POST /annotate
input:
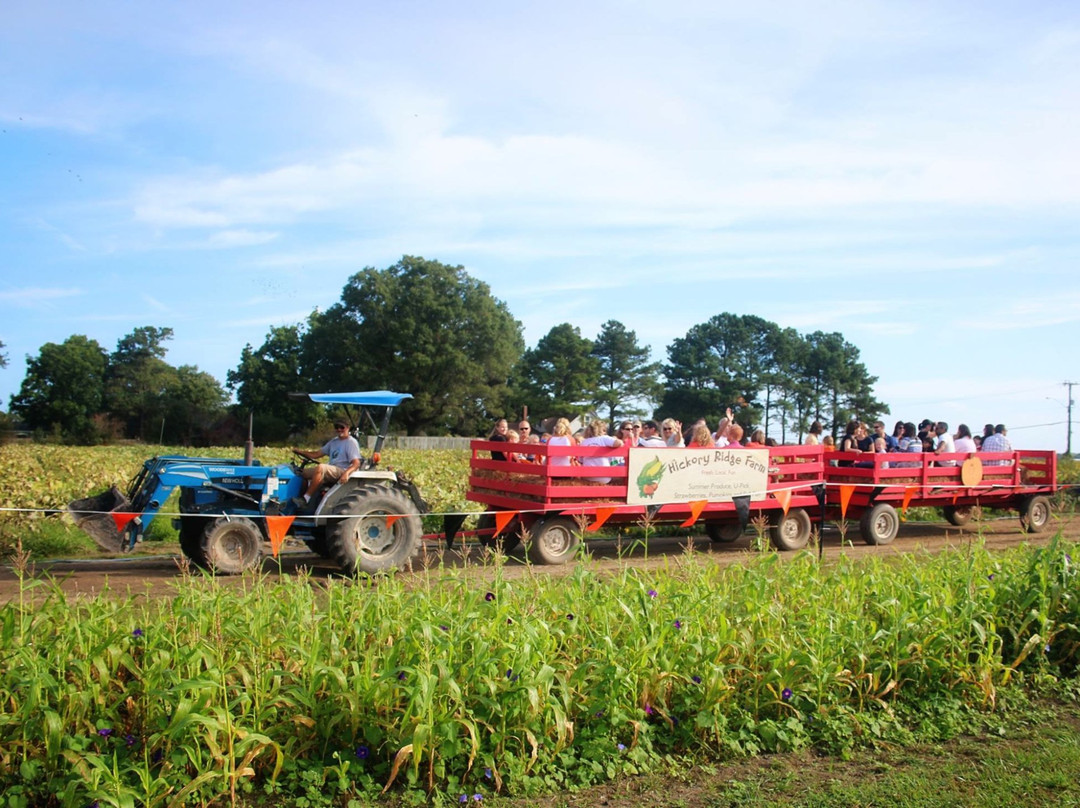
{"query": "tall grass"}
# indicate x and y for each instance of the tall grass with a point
(457, 683)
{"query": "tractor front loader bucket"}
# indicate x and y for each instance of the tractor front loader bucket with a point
(93, 516)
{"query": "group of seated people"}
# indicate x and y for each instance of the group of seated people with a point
(929, 436)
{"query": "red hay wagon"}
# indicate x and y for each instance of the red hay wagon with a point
(559, 495)
(871, 487)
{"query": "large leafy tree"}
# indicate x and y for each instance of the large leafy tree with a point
(768, 375)
(558, 375)
(193, 402)
(137, 381)
(63, 388)
(626, 378)
(419, 327)
(265, 377)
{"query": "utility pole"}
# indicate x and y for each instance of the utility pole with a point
(1068, 439)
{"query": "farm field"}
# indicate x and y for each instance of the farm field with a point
(651, 673)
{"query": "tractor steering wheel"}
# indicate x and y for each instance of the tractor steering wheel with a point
(304, 461)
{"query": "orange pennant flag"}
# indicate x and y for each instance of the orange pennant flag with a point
(909, 492)
(845, 497)
(391, 518)
(602, 515)
(954, 498)
(502, 519)
(122, 520)
(695, 511)
(784, 498)
(277, 527)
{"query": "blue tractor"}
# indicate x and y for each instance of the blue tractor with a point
(224, 503)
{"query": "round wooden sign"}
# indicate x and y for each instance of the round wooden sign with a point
(971, 472)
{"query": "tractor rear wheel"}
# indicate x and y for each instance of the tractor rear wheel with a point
(359, 537)
(231, 545)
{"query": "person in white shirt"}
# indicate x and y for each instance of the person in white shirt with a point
(963, 440)
(945, 444)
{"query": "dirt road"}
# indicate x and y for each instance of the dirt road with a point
(158, 575)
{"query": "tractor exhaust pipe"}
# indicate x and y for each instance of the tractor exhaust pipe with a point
(249, 446)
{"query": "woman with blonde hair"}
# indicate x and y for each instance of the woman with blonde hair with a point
(671, 432)
(700, 438)
(560, 436)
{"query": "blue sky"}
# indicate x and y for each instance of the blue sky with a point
(906, 173)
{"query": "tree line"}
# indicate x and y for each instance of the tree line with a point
(432, 330)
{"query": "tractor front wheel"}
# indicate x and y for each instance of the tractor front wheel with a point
(361, 536)
(231, 545)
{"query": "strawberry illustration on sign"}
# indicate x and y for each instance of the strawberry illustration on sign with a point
(649, 477)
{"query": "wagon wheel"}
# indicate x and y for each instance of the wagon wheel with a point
(554, 540)
(960, 515)
(508, 538)
(880, 524)
(790, 531)
(724, 532)
(1035, 514)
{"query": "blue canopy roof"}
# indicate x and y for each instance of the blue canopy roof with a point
(373, 398)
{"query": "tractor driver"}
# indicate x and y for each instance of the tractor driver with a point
(344, 454)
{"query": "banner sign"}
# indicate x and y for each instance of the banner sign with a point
(688, 475)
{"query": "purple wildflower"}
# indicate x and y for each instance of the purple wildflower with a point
(990, 577)
(362, 752)
(463, 798)
(444, 628)
(488, 774)
(648, 709)
(137, 632)
(570, 616)
(622, 747)
(513, 677)
(478, 797)
(129, 739)
(652, 593)
(678, 624)
(490, 596)
(696, 680)
(402, 676)
(1046, 648)
(104, 732)
(786, 694)
(509, 621)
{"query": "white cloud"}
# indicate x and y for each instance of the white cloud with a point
(36, 297)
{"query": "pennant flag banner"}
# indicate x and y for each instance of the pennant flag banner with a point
(954, 498)
(909, 492)
(602, 515)
(391, 518)
(845, 497)
(784, 498)
(502, 519)
(122, 520)
(277, 527)
(696, 508)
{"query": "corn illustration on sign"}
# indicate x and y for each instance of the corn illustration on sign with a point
(658, 476)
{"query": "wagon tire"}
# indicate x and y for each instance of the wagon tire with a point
(790, 531)
(880, 524)
(724, 532)
(1035, 515)
(359, 538)
(506, 541)
(231, 545)
(960, 515)
(191, 534)
(554, 540)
